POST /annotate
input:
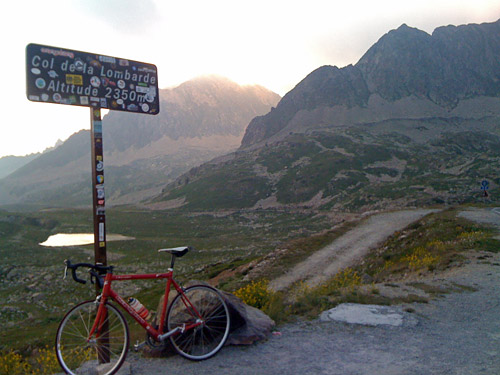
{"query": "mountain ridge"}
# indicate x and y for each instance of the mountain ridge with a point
(405, 126)
(404, 62)
(142, 153)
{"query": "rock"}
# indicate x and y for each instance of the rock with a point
(366, 279)
(248, 324)
(12, 274)
(371, 315)
(37, 297)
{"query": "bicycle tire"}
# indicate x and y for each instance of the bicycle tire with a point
(207, 339)
(76, 355)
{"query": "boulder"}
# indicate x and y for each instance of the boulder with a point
(248, 324)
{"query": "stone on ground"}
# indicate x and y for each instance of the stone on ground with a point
(248, 324)
(372, 315)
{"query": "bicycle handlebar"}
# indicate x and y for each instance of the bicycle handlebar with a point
(97, 267)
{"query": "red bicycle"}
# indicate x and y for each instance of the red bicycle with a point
(94, 335)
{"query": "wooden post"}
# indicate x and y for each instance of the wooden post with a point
(99, 214)
(98, 187)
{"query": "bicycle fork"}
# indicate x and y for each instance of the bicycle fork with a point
(100, 330)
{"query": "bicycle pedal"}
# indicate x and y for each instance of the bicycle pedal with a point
(138, 345)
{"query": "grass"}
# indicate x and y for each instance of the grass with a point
(349, 168)
(430, 289)
(282, 259)
(434, 243)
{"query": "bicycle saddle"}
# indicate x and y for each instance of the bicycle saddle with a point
(177, 251)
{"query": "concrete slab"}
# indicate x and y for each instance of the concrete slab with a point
(372, 315)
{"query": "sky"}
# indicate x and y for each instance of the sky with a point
(273, 43)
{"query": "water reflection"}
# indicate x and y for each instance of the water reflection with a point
(76, 239)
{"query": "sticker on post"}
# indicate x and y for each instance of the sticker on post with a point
(101, 231)
(100, 193)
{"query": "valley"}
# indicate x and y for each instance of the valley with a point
(35, 295)
(231, 249)
(261, 185)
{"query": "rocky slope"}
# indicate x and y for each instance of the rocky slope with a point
(407, 71)
(199, 120)
(415, 121)
(9, 164)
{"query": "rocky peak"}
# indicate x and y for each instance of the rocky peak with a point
(204, 106)
(326, 86)
(452, 64)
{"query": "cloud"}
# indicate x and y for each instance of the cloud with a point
(124, 16)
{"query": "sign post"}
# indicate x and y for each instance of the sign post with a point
(485, 185)
(63, 76)
(97, 165)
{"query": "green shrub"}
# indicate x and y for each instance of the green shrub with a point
(258, 295)
(255, 294)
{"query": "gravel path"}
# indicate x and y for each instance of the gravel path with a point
(457, 334)
(348, 248)
(489, 216)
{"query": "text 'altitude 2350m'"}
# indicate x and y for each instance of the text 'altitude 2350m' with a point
(63, 76)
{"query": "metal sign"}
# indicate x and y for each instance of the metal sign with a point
(63, 76)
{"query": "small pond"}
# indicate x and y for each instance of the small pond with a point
(76, 239)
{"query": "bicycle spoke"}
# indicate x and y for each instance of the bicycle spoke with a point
(204, 340)
(75, 335)
(210, 318)
(217, 331)
(105, 350)
(87, 329)
(186, 339)
(73, 350)
(117, 328)
(193, 340)
(76, 330)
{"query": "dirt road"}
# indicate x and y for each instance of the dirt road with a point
(348, 248)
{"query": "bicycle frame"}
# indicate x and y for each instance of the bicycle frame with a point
(107, 293)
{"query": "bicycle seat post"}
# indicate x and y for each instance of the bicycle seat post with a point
(172, 261)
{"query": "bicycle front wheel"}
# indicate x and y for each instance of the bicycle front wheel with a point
(199, 304)
(79, 355)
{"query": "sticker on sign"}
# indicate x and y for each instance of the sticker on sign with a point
(63, 76)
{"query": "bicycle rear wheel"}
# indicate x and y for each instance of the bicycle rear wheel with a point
(77, 355)
(202, 303)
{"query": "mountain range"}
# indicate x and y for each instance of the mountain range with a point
(9, 164)
(199, 120)
(415, 121)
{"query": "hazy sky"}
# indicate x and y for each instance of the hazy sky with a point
(271, 43)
